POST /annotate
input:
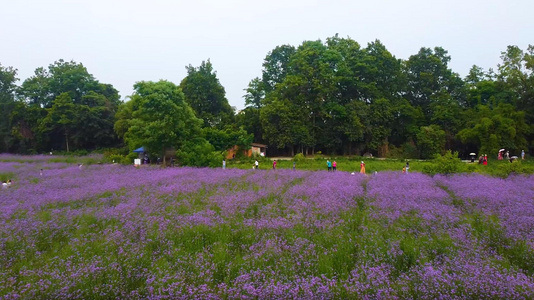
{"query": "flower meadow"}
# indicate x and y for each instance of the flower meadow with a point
(116, 232)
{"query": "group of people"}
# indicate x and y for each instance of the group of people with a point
(332, 166)
(506, 155)
(6, 183)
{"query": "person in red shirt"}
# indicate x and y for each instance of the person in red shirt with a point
(274, 165)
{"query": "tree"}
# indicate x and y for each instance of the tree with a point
(8, 78)
(491, 129)
(161, 118)
(61, 119)
(205, 94)
(429, 79)
(430, 141)
(284, 125)
(276, 66)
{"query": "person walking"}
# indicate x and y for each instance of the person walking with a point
(485, 160)
(329, 165)
(294, 166)
(334, 166)
(362, 167)
(407, 166)
(224, 163)
(507, 155)
(274, 164)
(522, 154)
(256, 164)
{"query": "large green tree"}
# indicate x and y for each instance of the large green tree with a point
(160, 118)
(207, 96)
(8, 79)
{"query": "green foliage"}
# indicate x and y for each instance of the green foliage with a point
(299, 157)
(224, 139)
(430, 141)
(448, 163)
(160, 118)
(206, 96)
(199, 153)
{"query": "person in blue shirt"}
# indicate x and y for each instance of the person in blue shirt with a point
(329, 165)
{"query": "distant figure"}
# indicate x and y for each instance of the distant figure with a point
(500, 155)
(294, 165)
(9, 182)
(274, 164)
(329, 165)
(4, 185)
(50, 152)
(485, 160)
(523, 154)
(41, 172)
(403, 170)
(158, 161)
(256, 164)
(407, 166)
(80, 166)
(480, 159)
(362, 167)
(224, 164)
(507, 155)
(172, 161)
(334, 166)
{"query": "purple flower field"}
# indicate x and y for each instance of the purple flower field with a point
(116, 232)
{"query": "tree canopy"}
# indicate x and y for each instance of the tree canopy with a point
(335, 96)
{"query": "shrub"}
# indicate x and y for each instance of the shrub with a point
(299, 157)
(199, 153)
(448, 163)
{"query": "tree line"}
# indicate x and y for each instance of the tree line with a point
(336, 97)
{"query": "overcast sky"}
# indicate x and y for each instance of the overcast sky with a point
(121, 42)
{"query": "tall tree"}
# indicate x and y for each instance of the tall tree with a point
(61, 119)
(206, 95)
(161, 118)
(276, 66)
(8, 78)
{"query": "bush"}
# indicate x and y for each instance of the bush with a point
(448, 163)
(299, 157)
(199, 153)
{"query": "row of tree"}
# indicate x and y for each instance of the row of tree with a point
(65, 108)
(335, 97)
(338, 97)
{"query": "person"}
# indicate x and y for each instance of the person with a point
(4, 185)
(9, 182)
(334, 166)
(41, 172)
(507, 155)
(485, 160)
(499, 157)
(172, 161)
(80, 166)
(362, 167)
(407, 166)
(224, 163)
(403, 170)
(480, 159)
(294, 166)
(329, 165)
(274, 164)
(522, 154)
(256, 164)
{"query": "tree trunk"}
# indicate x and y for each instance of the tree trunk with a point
(163, 165)
(67, 140)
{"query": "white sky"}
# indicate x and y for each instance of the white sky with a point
(121, 42)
